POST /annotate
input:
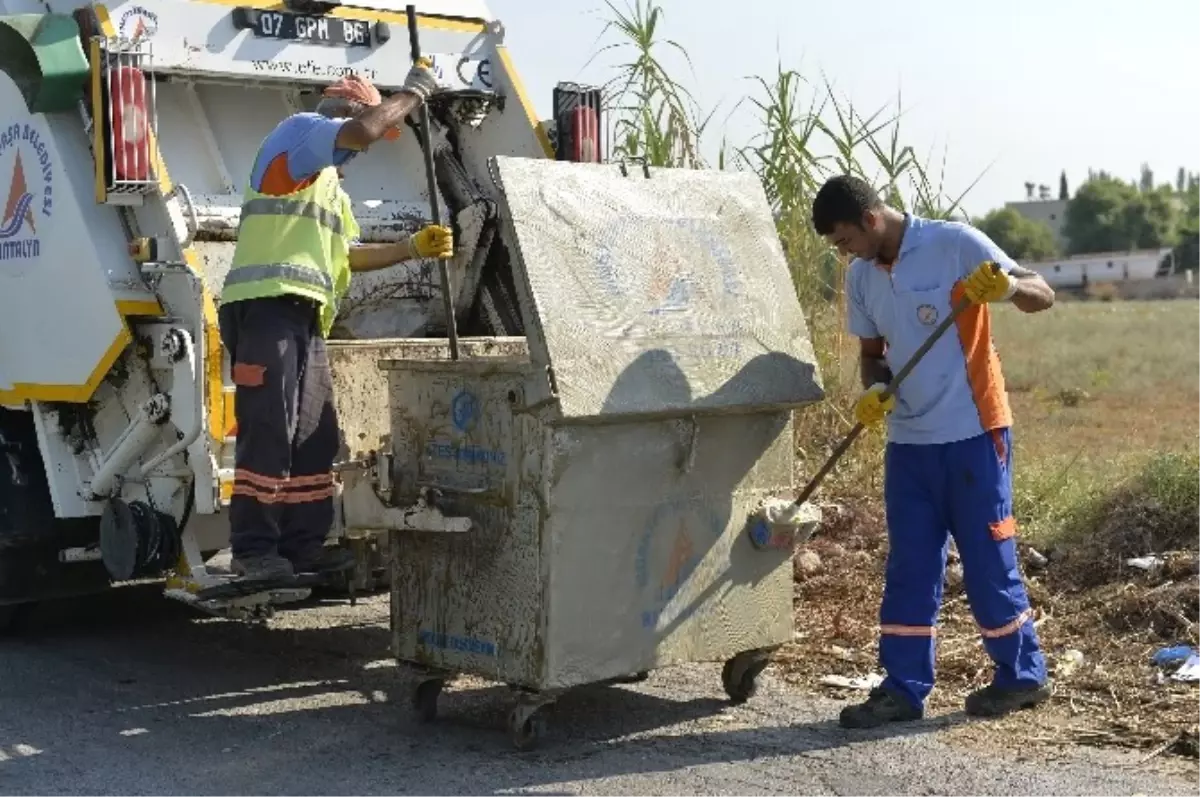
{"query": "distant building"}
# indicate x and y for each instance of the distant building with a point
(1079, 271)
(1051, 212)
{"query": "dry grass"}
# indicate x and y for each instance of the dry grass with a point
(1100, 477)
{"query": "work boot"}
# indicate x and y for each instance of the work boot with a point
(266, 567)
(325, 562)
(996, 701)
(882, 706)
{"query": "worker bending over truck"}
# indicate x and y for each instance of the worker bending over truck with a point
(948, 463)
(296, 249)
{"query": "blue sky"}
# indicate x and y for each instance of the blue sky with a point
(1027, 87)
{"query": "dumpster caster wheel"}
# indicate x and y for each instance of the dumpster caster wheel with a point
(740, 674)
(633, 678)
(425, 700)
(526, 727)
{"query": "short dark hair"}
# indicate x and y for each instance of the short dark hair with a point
(843, 200)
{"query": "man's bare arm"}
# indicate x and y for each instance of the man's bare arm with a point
(370, 257)
(1033, 294)
(872, 367)
(368, 127)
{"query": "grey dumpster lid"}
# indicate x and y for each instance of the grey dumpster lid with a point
(655, 296)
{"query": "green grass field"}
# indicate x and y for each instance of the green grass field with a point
(1099, 391)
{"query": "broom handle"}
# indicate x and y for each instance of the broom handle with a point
(890, 390)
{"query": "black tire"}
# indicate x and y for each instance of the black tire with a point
(30, 535)
(14, 618)
(425, 700)
(527, 735)
(25, 508)
(633, 678)
(740, 674)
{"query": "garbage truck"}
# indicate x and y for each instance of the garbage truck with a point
(550, 448)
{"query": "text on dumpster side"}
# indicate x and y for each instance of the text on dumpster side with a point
(469, 454)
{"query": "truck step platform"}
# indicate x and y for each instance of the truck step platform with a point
(241, 588)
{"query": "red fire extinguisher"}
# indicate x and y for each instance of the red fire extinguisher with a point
(130, 124)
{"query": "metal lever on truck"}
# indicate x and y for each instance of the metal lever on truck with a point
(431, 178)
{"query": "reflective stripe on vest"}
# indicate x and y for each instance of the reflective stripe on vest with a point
(294, 245)
(287, 271)
(278, 206)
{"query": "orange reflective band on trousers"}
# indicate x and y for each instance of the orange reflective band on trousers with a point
(908, 630)
(288, 490)
(1010, 628)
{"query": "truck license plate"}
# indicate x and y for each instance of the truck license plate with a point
(314, 30)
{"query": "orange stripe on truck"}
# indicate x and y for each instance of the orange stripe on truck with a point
(982, 363)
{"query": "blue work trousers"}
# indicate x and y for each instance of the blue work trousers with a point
(962, 489)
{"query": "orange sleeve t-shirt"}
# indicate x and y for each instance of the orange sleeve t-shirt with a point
(296, 151)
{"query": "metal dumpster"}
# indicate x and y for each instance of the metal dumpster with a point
(609, 474)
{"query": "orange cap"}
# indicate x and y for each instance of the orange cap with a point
(357, 88)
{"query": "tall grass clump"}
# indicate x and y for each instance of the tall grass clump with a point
(1153, 511)
(807, 132)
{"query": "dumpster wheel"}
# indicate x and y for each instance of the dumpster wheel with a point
(740, 674)
(425, 699)
(527, 726)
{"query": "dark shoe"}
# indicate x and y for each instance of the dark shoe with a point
(329, 560)
(881, 707)
(996, 701)
(268, 567)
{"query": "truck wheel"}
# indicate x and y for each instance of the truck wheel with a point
(30, 535)
(14, 618)
(25, 508)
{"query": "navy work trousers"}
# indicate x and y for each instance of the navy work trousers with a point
(287, 428)
(961, 489)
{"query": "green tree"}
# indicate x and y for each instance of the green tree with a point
(1147, 179)
(1187, 253)
(1181, 180)
(1022, 238)
(1063, 191)
(1107, 214)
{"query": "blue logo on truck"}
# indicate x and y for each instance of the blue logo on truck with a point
(23, 207)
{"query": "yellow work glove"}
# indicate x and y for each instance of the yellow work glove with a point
(421, 79)
(988, 284)
(433, 241)
(871, 408)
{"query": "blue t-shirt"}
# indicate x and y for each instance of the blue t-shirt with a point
(957, 391)
(296, 151)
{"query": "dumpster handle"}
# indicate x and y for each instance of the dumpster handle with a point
(457, 490)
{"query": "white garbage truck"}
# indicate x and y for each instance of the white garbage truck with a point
(561, 465)
(128, 134)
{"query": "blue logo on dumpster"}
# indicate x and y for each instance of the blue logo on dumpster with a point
(464, 411)
(676, 540)
(666, 293)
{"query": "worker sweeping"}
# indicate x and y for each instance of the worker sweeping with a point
(295, 252)
(948, 462)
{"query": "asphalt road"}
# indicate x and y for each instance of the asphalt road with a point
(133, 694)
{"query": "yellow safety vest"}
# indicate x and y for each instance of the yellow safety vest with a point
(297, 244)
